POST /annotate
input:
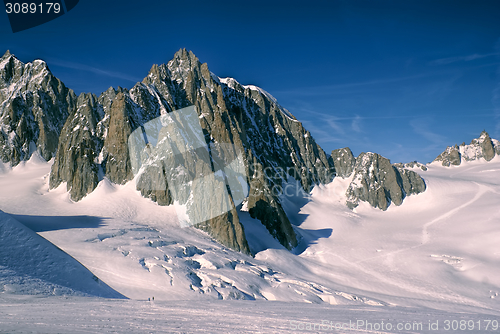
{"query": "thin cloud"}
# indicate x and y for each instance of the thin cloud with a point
(445, 61)
(334, 125)
(356, 124)
(328, 89)
(421, 126)
(434, 114)
(357, 117)
(91, 69)
(321, 135)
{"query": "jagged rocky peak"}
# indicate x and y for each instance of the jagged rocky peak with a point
(92, 141)
(273, 145)
(450, 156)
(182, 63)
(79, 147)
(94, 135)
(480, 148)
(380, 183)
(250, 120)
(115, 153)
(11, 69)
(344, 162)
(33, 108)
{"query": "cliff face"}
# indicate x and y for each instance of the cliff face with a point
(343, 160)
(76, 155)
(380, 183)
(273, 145)
(375, 180)
(33, 107)
(79, 159)
(188, 138)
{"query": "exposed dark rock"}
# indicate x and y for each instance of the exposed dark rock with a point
(33, 108)
(77, 153)
(344, 162)
(450, 156)
(411, 182)
(374, 182)
(115, 153)
(82, 139)
(152, 184)
(264, 206)
(228, 230)
(486, 146)
(379, 183)
(480, 148)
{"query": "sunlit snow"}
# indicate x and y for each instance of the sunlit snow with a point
(435, 257)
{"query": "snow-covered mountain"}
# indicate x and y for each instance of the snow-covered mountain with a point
(96, 134)
(435, 255)
(138, 246)
(33, 107)
(332, 238)
(93, 143)
(480, 148)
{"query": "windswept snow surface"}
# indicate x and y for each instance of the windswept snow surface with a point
(30, 265)
(438, 249)
(436, 257)
(21, 314)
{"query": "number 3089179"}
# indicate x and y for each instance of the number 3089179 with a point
(32, 8)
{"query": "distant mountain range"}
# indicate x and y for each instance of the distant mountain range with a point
(87, 136)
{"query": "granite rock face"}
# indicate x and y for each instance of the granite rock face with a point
(79, 158)
(480, 148)
(450, 156)
(487, 148)
(89, 137)
(273, 144)
(343, 160)
(379, 183)
(33, 108)
(228, 230)
(411, 182)
(116, 161)
(76, 155)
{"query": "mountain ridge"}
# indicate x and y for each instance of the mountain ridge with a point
(483, 147)
(34, 105)
(92, 144)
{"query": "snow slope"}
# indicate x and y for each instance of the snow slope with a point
(439, 249)
(437, 255)
(31, 265)
(138, 248)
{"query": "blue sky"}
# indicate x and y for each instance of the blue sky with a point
(400, 78)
